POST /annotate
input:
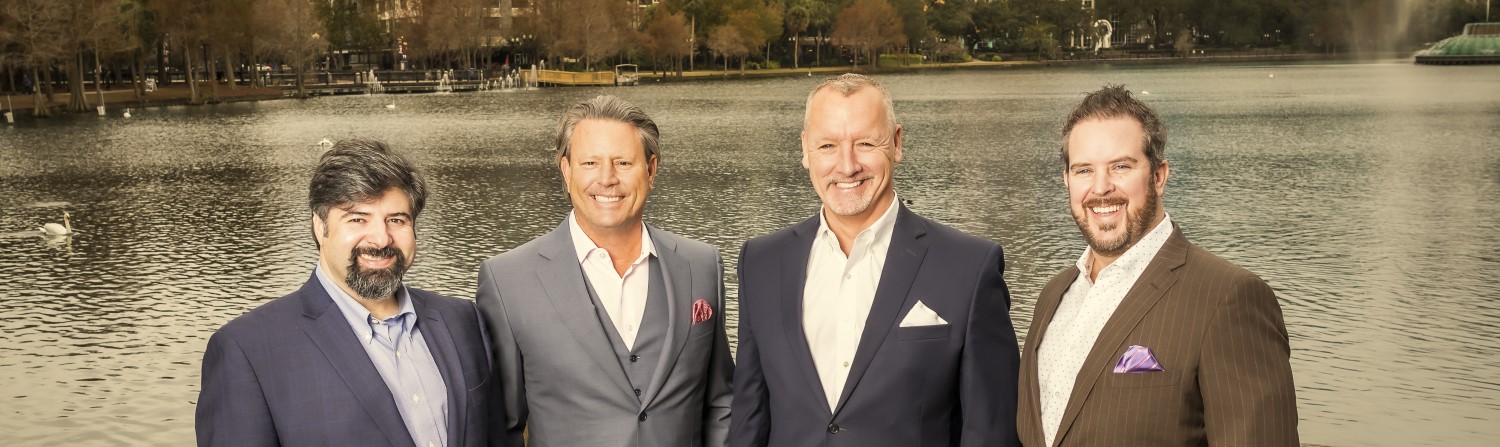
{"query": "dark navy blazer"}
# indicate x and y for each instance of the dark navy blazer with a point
(952, 385)
(292, 372)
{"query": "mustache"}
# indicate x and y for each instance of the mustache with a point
(382, 252)
(1104, 201)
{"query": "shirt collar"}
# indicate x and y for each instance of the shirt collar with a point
(1144, 249)
(360, 318)
(583, 245)
(880, 229)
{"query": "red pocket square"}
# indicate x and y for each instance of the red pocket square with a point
(702, 311)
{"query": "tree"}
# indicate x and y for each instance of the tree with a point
(667, 35)
(727, 42)
(757, 22)
(295, 34)
(1041, 36)
(184, 22)
(867, 26)
(35, 28)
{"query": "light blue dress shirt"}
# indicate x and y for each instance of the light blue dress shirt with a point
(396, 347)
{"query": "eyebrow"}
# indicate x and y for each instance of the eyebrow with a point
(1129, 158)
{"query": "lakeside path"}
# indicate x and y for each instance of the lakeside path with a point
(177, 94)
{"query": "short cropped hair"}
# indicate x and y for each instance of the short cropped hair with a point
(607, 107)
(1114, 101)
(847, 84)
(359, 170)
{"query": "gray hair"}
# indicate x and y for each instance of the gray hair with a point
(608, 107)
(358, 170)
(1114, 101)
(847, 84)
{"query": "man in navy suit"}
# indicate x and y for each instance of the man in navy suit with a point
(354, 357)
(868, 325)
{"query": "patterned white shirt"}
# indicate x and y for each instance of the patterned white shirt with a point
(1085, 307)
(623, 296)
(838, 294)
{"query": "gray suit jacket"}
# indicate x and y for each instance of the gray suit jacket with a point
(1217, 330)
(562, 380)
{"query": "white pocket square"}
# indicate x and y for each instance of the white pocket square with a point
(920, 315)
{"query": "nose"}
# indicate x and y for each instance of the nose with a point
(1101, 185)
(845, 163)
(379, 236)
(610, 175)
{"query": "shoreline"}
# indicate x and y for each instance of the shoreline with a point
(177, 94)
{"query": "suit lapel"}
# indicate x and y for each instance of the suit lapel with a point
(440, 342)
(793, 278)
(563, 279)
(1046, 306)
(330, 331)
(676, 272)
(1159, 277)
(902, 260)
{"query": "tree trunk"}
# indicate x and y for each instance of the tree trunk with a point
(189, 76)
(229, 67)
(818, 49)
(98, 82)
(77, 101)
(39, 104)
(297, 70)
(137, 67)
(796, 49)
(48, 85)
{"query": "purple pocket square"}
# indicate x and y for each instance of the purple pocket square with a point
(1137, 359)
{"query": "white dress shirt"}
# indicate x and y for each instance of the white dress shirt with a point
(1085, 307)
(623, 296)
(838, 294)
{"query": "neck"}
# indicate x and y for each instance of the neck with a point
(846, 228)
(1098, 262)
(623, 243)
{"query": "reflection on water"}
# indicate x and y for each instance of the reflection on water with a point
(1363, 193)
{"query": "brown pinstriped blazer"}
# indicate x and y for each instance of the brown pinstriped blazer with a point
(1217, 330)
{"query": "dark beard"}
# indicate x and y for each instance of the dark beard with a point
(376, 285)
(1135, 225)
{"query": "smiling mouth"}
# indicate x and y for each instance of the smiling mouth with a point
(1105, 209)
(848, 185)
(607, 199)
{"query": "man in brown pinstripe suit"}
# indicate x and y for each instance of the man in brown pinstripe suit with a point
(1148, 340)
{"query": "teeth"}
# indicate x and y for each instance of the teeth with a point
(1106, 209)
(607, 199)
(847, 185)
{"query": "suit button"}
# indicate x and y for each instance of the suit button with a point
(638, 392)
(833, 429)
(643, 417)
(634, 357)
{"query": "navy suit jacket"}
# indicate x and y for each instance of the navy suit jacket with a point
(947, 385)
(292, 372)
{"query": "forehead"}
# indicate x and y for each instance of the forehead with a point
(593, 137)
(1106, 139)
(831, 111)
(392, 201)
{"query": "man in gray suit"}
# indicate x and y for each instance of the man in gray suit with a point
(610, 332)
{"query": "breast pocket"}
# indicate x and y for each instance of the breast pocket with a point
(1155, 379)
(923, 332)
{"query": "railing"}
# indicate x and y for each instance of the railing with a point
(576, 78)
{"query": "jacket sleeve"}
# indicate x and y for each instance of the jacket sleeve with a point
(1246, 374)
(750, 421)
(718, 393)
(990, 362)
(232, 409)
(511, 388)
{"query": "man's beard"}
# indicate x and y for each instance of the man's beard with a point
(1135, 224)
(376, 285)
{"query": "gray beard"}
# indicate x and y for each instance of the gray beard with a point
(376, 285)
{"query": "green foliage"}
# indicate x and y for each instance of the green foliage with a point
(897, 60)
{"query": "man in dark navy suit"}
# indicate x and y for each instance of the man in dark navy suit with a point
(868, 325)
(354, 357)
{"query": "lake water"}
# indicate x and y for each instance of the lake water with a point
(1366, 194)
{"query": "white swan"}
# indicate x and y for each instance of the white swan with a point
(392, 105)
(53, 229)
(127, 113)
(325, 143)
